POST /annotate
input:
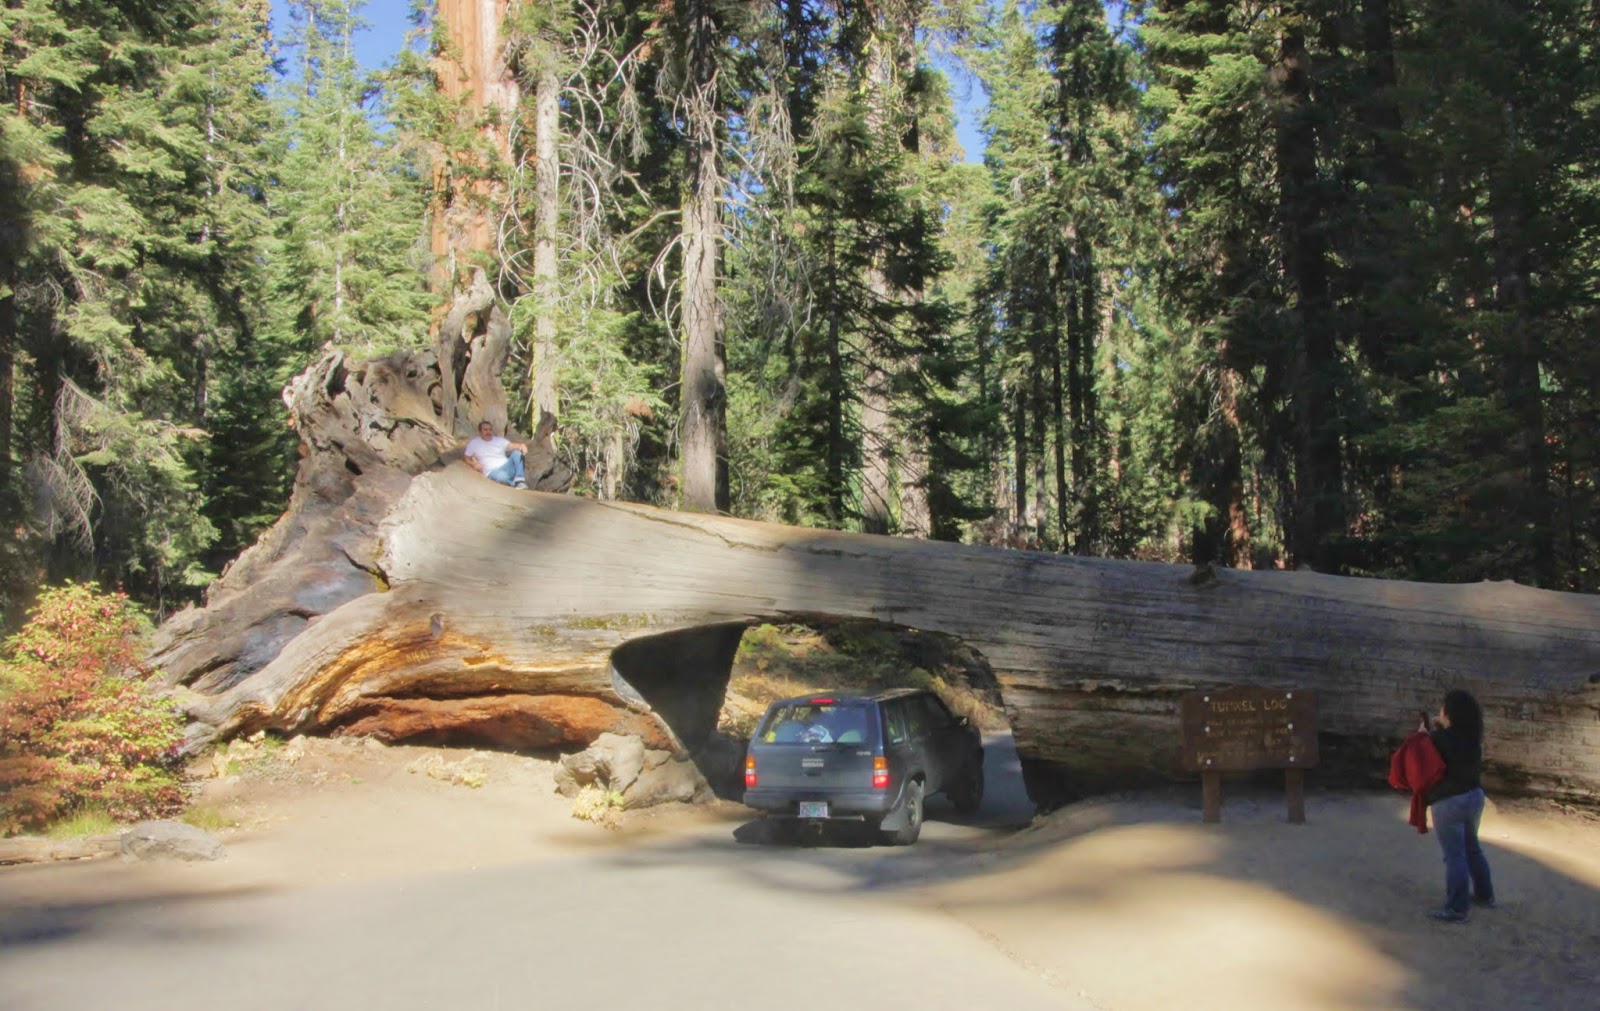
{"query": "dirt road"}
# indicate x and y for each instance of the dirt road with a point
(688, 912)
(364, 877)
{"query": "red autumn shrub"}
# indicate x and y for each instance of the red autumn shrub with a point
(79, 725)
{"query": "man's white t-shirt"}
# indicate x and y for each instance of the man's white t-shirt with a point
(490, 452)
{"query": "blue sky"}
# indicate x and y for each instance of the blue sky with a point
(387, 31)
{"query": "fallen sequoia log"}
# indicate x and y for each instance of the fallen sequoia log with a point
(39, 849)
(408, 598)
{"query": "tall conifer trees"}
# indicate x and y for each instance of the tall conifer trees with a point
(1301, 284)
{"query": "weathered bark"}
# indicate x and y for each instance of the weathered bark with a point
(413, 600)
(704, 437)
(876, 448)
(916, 513)
(462, 377)
(877, 434)
(911, 460)
(476, 74)
(473, 341)
(365, 430)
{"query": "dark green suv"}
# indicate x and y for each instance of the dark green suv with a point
(873, 759)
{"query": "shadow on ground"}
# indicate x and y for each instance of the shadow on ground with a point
(1135, 902)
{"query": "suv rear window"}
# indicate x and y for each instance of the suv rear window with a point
(811, 722)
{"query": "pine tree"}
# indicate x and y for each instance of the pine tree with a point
(1066, 172)
(349, 264)
(112, 288)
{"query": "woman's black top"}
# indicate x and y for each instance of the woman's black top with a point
(1463, 764)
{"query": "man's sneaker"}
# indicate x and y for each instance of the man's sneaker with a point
(1447, 915)
(1486, 903)
(519, 484)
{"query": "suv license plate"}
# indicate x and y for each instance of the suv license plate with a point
(813, 809)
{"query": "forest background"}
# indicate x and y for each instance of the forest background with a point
(1308, 283)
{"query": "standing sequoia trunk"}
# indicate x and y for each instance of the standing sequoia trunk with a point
(878, 438)
(404, 598)
(704, 453)
(473, 71)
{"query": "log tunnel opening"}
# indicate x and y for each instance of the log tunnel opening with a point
(711, 684)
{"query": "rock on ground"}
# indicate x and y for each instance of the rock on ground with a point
(623, 765)
(169, 840)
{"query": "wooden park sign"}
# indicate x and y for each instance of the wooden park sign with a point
(1243, 729)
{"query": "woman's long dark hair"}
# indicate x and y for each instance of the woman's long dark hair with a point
(1466, 716)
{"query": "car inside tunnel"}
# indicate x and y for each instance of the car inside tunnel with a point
(710, 685)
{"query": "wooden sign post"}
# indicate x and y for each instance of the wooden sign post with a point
(1242, 729)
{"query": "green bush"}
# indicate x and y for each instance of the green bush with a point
(79, 726)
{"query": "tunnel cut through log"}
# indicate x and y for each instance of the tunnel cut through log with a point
(685, 679)
(681, 677)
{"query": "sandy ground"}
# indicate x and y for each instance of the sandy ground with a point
(1122, 903)
(1143, 907)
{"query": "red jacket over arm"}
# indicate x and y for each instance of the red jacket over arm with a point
(1416, 766)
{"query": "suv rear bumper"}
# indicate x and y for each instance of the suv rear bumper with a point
(783, 802)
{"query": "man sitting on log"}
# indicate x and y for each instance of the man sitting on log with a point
(497, 458)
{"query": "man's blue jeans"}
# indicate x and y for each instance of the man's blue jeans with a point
(1455, 822)
(512, 471)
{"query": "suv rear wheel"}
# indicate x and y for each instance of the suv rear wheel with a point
(911, 806)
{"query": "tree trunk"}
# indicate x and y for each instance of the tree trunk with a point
(404, 596)
(877, 431)
(911, 463)
(547, 193)
(475, 73)
(877, 439)
(1086, 441)
(1522, 354)
(1040, 518)
(1318, 515)
(916, 515)
(1019, 453)
(704, 453)
(1064, 334)
(838, 444)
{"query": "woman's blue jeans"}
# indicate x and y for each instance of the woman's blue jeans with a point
(1455, 822)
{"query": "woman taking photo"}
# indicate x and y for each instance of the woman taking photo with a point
(1457, 803)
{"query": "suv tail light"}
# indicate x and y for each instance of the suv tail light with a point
(749, 770)
(880, 773)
